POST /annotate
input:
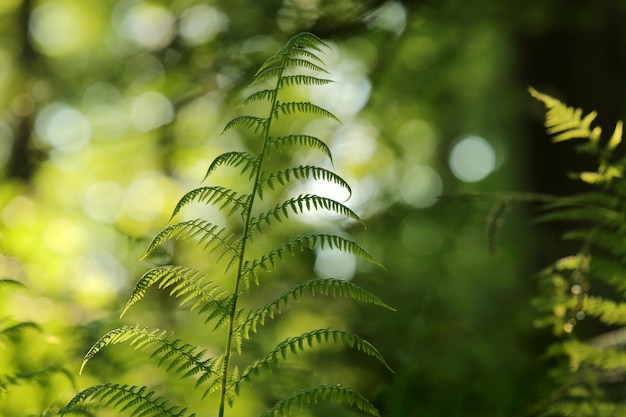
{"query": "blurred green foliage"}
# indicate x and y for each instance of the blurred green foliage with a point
(110, 110)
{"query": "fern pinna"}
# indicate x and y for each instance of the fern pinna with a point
(590, 284)
(235, 249)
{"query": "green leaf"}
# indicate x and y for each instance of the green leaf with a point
(298, 107)
(214, 195)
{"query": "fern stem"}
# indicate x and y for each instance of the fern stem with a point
(245, 234)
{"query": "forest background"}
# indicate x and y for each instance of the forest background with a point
(111, 110)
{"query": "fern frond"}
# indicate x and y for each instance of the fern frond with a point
(593, 215)
(137, 400)
(211, 235)
(262, 95)
(296, 46)
(298, 107)
(300, 140)
(303, 63)
(308, 241)
(607, 311)
(300, 79)
(179, 358)
(249, 161)
(581, 353)
(15, 329)
(253, 123)
(266, 74)
(214, 195)
(7, 282)
(324, 286)
(335, 394)
(185, 282)
(566, 122)
(300, 204)
(305, 172)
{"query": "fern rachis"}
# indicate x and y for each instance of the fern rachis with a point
(245, 262)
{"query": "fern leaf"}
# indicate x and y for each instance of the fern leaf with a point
(209, 234)
(324, 286)
(593, 215)
(267, 74)
(566, 122)
(307, 341)
(607, 311)
(303, 63)
(297, 107)
(235, 159)
(300, 140)
(296, 46)
(7, 282)
(300, 204)
(185, 359)
(305, 172)
(261, 95)
(137, 400)
(215, 195)
(329, 393)
(14, 330)
(185, 282)
(253, 123)
(300, 79)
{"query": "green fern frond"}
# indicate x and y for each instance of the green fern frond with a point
(300, 204)
(214, 195)
(299, 107)
(253, 123)
(335, 394)
(296, 46)
(307, 341)
(178, 357)
(609, 240)
(300, 79)
(15, 329)
(209, 234)
(185, 282)
(566, 122)
(303, 63)
(7, 282)
(138, 401)
(593, 215)
(267, 74)
(300, 140)
(249, 161)
(261, 95)
(308, 241)
(584, 354)
(607, 311)
(325, 286)
(305, 172)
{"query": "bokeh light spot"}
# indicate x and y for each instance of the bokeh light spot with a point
(334, 263)
(55, 28)
(151, 110)
(148, 26)
(201, 23)
(420, 186)
(62, 127)
(104, 201)
(472, 159)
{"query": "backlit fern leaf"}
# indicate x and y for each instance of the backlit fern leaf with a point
(212, 236)
(215, 195)
(176, 356)
(306, 341)
(324, 286)
(137, 400)
(261, 95)
(335, 394)
(303, 63)
(15, 329)
(301, 79)
(300, 204)
(183, 282)
(300, 140)
(235, 159)
(305, 172)
(255, 124)
(299, 107)
(567, 122)
(308, 241)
